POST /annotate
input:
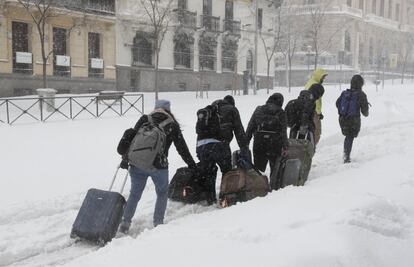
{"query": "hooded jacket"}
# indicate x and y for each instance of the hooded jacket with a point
(317, 76)
(272, 107)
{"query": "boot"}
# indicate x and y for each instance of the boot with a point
(124, 227)
(347, 158)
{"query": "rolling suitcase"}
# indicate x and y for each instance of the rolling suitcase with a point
(100, 214)
(294, 169)
(239, 185)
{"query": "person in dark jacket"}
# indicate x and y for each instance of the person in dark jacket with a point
(303, 107)
(159, 176)
(213, 147)
(268, 125)
(351, 124)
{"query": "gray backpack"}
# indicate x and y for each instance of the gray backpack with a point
(148, 144)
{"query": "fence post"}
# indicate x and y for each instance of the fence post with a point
(120, 104)
(70, 108)
(8, 114)
(97, 106)
(41, 108)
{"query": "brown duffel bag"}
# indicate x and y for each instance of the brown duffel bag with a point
(240, 185)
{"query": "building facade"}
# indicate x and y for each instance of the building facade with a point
(208, 44)
(356, 36)
(81, 40)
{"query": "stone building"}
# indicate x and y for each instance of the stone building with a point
(80, 38)
(356, 36)
(209, 44)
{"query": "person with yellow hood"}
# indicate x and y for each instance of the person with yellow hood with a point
(318, 77)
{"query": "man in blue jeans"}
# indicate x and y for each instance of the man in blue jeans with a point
(159, 175)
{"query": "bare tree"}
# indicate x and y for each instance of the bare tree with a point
(291, 34)
(41, 12)
(270, 44)
(320, 32)
(158, 14)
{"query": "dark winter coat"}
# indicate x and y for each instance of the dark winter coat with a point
(230, 122)
(259, 117)
(351, 126)
(173, 132)
(303, 109)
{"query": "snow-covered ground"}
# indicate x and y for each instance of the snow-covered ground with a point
(360, 214)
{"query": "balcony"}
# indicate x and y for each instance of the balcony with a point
(351, 10)
(186, 18)
(232, 27)
(105, 7)
(210, 23)
(383, 22)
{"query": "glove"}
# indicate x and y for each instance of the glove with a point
(285, 152)
(321, 116)
(124, 164)
(303, 130)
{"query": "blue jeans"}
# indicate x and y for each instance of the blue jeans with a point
(138, 181)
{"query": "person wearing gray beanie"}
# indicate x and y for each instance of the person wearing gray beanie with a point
(158, 171)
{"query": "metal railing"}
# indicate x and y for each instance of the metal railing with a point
(42, 109)
(210, 23)
(232, 26)
(186, 18)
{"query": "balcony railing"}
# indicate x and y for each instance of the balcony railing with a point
(210, 23)
(351, 10)
(106, 6)
(183, 60)
(384, 22)
(186, 18)
(232, 26)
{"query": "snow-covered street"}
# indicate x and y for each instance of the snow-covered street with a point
(359, 214)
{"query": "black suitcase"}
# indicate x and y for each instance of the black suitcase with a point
(294, 169)
(100, 215)
(186, 187)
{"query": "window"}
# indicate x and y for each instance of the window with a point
(397, 12)
(208, 56)
(382, 8)
(229, 10)
(259, 18)
(20, 43)
(347, 42)
(229, 55)
(101, 5)
(249, 61)
(390, 9)
(142, 50)
(371, 51)
(182, 4)
(374, 7)
(94, 53)
(60, 65)
(207, 7)
(183, 54)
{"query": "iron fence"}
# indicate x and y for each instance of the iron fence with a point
(42, 109)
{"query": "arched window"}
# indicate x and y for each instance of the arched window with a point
(229, 55)
(183, 54)
(347, 42)
(371, 51)
(208, 56)
(142, 50)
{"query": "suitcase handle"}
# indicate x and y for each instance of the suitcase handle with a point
(114, 178)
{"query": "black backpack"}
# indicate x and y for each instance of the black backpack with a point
(292, 113)
(208, 121)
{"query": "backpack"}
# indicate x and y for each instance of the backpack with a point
(348, 104)
(147, 148)
(291, 113)
(269, 122)
(208, 121)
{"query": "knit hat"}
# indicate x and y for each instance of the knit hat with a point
(229, 99)
(164, 104)
(357, 82)
(276, 98)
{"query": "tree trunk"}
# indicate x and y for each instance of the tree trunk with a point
(268, 77)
